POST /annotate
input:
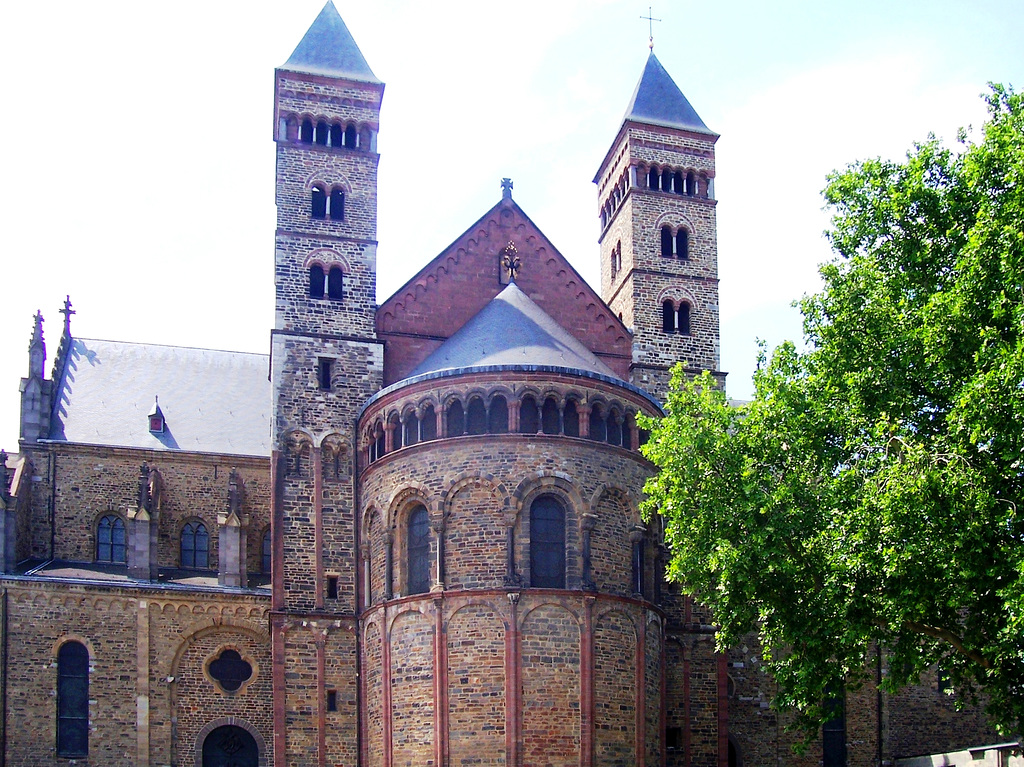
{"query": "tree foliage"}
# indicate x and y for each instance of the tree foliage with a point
(871, 493)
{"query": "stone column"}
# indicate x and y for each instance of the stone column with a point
(512, 578)
(636, 535)
(438, 528)
(584, 412)
(589, 522)
(231, 570)
(143, 526)
(389, 562)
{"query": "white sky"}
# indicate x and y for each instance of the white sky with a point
(139, 168)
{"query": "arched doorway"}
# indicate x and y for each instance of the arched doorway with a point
(230, 746)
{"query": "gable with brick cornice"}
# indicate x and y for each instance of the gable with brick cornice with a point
(466, 276)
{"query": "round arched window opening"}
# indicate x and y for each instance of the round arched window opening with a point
(230, 745)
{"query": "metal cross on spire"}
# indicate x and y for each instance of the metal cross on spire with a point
(67, 311)
(650, 26)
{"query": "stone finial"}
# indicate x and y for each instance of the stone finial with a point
(67, 311)
(506, 189)
(235, 490)
(37, 349)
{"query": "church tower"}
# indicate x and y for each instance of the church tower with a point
(326, 362)
(659, 252)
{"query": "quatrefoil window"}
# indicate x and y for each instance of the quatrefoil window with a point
(230, 670)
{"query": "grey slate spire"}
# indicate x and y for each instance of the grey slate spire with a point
(657, 100)
(328, 48)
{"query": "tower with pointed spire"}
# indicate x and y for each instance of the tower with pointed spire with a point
(659, 252)
(325, 362)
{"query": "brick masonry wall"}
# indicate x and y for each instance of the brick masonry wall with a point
(412, 690)
(615, 682)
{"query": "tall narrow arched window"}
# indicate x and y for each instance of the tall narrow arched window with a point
(598, 425)
(396, 432)
(683, 325)
(668, 317)
(110, 540)
(306, 131)
(476, 417)
(410, 429)
(418, 551)
(337, 205)
(335, 282)
(195, 546)
(683, 243)
(428, 424)
(350, 136)
(614, 428)
(337, 133)
(72, 700)
(321, 133)
(666, 180)
(529, 416)
(318, 208)
(677, 182)
(316, 281)
(666, 242)
(265, 553)
(497, 416)
(691, 183)
(547, 543)
(549, 417)
(456, 419)
(571, 419)
(653, 178)
(833, 731)
(379, 443)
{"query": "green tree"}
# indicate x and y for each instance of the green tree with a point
(870, 495)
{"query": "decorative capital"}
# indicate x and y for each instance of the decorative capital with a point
(589, 522)
(513, 597)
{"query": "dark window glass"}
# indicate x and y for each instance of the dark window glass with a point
(321, 133)
(337, 205)
(683, 244)
(627, 435)
(306, 134)
(668, 317)
(571, 419)
(456, 420)
(666, 180)
(378, 445)
(195, 546)
(411, 429)
(230, 670)
(476, 417)
(691, 184)
(677, 182)
(666, 242)
(332, 587)
(265, 553)
(230, 746)
(316, 281)
(110, 540)
(323, 373)
(419, 551)
(549, 417)
(598, 427)
(396, 433)
(350, 137)
(653, 179)
(614, 430)
(529, 417)
(547, 543)
(335, 282)
(332, 700)
(497, 416)
(319, 203)
(674, 737)
(428, 424)
(336, 135)
(684, 319)
(73, 700)
(833, 732)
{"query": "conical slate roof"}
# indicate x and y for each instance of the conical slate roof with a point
(512, 330)
(328, 48)
(657, 100)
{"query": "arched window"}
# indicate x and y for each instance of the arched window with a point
(418, 551)
(683, 325)
(653, 178)
(230, 744)
(336, 135)
(379, 443)
(265, 553)
(529, 416)
(666, 242)
(683, 243)
(571, 419)
(549, 417)
(291, 128)
(318, 208)
(335, 282)
(72, 700)
(668, 317)
(497, 416)
(547, 543)
(677, 182)
(316, 281)
(456, 419)
(598, 425)
(476, 417)
(321, 133)
(195, 546)
(110, 540)
(627, 434)
(833, 732)
(411, 429)
(691, 183)
(337, 205)
(396, 432)
(666, 180)
(306, 133)
(350, 136)
(428, 424)
(614, 428)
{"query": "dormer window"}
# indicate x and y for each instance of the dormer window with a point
(157, 423)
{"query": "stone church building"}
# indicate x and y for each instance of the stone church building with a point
(410, 535)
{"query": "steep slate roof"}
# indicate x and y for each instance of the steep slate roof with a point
(512, 330)
(657, 100)
(213, 401)
(328, 48)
